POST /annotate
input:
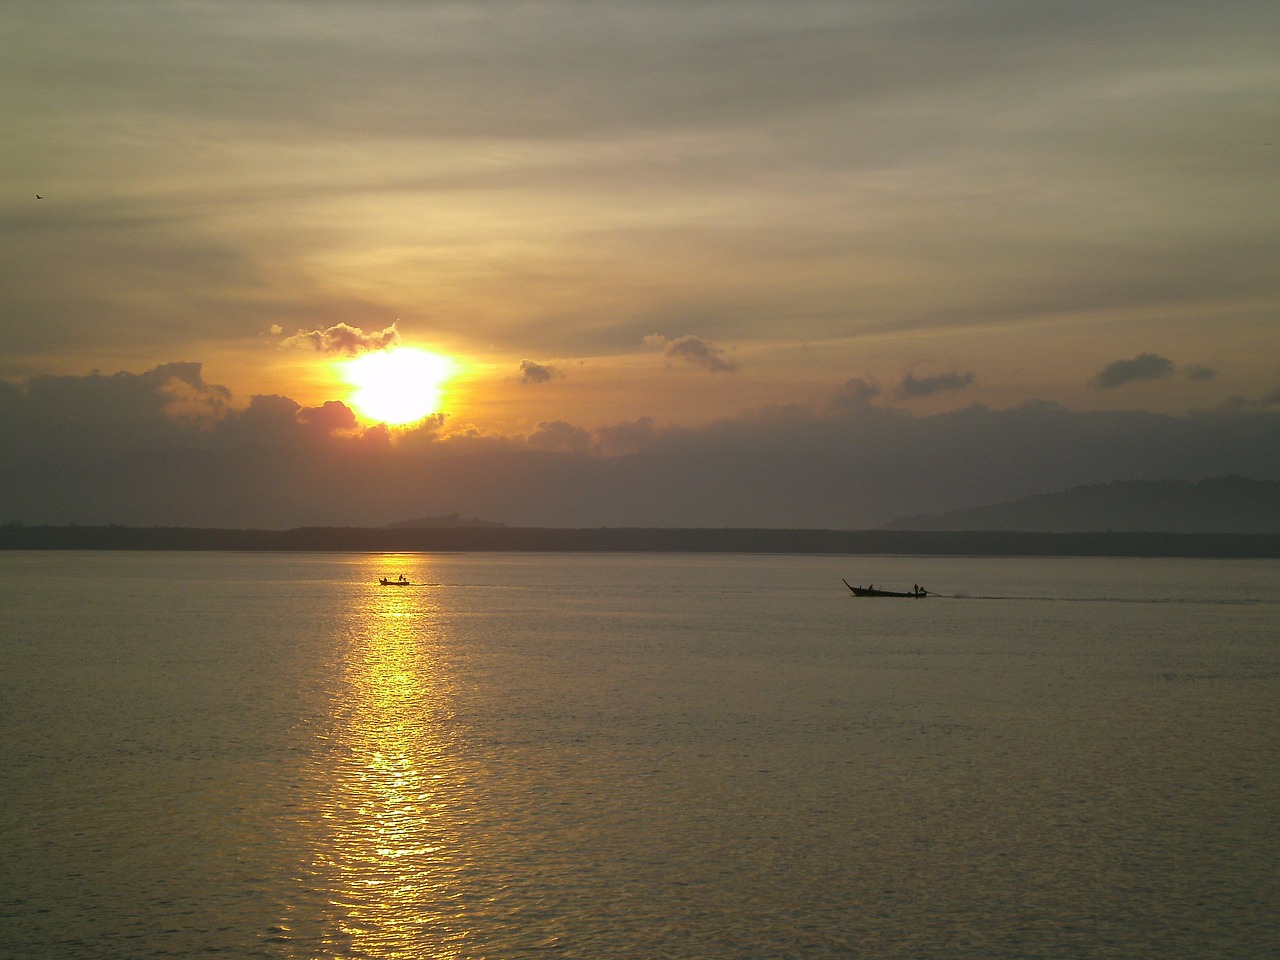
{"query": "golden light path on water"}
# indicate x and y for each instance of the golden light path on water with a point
(384, 848)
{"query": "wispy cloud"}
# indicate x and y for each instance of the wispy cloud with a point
(1145, 366)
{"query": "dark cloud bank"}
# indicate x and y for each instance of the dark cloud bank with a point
(166, 448)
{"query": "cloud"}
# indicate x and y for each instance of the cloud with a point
(856, 392)
(330, 416)
(107, 449)
(533, 372)
(190, 398)
(1197, 371)
(158, 406)
(627, 437)
(561, 436)
(1145, 366)
(343, 339)
(698, 114)
(691, 350)
(913, 386)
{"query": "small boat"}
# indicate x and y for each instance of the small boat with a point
(870, 591)
(399, 581)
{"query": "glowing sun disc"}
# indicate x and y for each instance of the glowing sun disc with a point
(396, 386)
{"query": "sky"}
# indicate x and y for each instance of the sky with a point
(688, 263)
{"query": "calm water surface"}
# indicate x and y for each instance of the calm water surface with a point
(636, 756)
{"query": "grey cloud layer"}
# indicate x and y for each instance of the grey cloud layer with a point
(557, 67)
(165, 447)
(1065, 156)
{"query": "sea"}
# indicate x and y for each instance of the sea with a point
(689, 756)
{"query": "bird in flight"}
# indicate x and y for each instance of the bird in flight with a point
(38, 197)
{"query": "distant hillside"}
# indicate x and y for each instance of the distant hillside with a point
(1223, 505)
(17, 536)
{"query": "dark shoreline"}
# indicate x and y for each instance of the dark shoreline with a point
(665, 540)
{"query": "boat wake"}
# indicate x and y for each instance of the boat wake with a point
(1198, 601)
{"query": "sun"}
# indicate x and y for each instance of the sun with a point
(397, 387)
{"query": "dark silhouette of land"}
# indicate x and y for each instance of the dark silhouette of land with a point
(448, 520)
(446, 539)
(1230, 504)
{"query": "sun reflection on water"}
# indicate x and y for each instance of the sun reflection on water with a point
(385, 849)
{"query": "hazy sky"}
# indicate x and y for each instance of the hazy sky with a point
(645, 227)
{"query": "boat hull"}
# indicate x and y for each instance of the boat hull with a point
(872, 592)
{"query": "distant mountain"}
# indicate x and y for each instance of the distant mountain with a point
(944, 543)
(1230, 504)
(450, 521)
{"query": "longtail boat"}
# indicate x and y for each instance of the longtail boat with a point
(871, 591)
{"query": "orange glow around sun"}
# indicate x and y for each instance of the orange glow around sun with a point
(397, 387)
